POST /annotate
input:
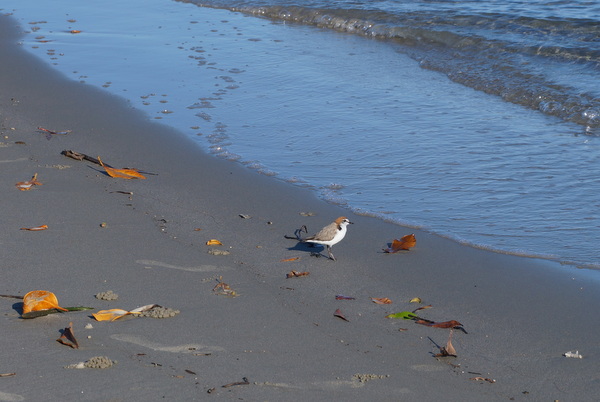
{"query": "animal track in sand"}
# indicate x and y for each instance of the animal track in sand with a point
(187, 348)
(200, 268)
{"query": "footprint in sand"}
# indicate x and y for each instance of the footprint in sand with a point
(200, 268)
(187, 348)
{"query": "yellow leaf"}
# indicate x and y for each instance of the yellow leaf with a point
(415, 300)
(110, 315)
(37, 300)
(121, 173)
(214, 242)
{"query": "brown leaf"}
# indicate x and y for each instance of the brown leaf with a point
(338, 313)
(405, 243)
(296, 274)
(381, 300)
(36, 228)
(68, 337)
(445, 324)
(121, 173)
(448, 350)
(422, 308)
(28, 185)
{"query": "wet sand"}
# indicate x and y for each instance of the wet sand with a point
(280, 334)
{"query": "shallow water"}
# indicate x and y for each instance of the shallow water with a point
(357, 119)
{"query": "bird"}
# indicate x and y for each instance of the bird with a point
(330, 234)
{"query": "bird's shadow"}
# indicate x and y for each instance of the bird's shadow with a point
(314, 249)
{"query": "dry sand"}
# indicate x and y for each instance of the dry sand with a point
(280, 334)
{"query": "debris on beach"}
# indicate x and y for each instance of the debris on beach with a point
(233, 384)
(422, 308)
(244, 216)
(215, 251)
(448, 350)
(38, 300)
(416, 300)
(296, 274)
(108, 295)
(221, 288)
(405, 243)
(381, 300)
(338, 313)
(36, 228)
(159, 312)
(342, 297)
(7, 374)
(125, 173)
(290, 259)
(116, 313)
(307, 213)
(50, 133)
(68, 337)
(214, 242)
(407, 315)
(363, 378)
(491, 381)
(28, 185)
(96, 362)
(574, 355)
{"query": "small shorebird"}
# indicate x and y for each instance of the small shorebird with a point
(330, 234)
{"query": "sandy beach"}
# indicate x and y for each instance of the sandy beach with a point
(278, 339)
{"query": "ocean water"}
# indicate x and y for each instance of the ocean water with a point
(475, 120)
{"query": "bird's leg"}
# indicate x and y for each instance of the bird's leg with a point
(330, 253)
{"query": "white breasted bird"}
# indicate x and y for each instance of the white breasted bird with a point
(330, 234)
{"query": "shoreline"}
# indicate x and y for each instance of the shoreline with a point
(521, 314)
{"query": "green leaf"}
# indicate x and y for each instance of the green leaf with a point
(407, 315)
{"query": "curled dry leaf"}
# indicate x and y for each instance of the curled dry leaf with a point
(296, 274)
(38, 300)
(28, 185)
(111, 315)
(381, 300)
(405, 243)
(422, 308)
(221, 288)
(214, 242)
(290, 259)
(68, 337)
(416, 300)
(448, 350)
(121, 173)
(36, 228)
(445, 324)
(338, 313)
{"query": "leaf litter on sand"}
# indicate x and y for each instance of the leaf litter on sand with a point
(68, 337)
(405, 243)
(126, 173)
(296, 274)
(28, 185)
(221, 288)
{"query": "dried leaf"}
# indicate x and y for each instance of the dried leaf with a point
(416, 300)
(111, 315)
(221, 288)
(68, 337)
(50, 133)
(448, 350)
(405, 243)
(296, 274)
(406, 315)
(342, 297)
(121, 173)
(290, 259)
(38, 300)
(36, 228)
(214, 242)
(338, 313)
(28, 185)
(445, 324)
(422, 308)
(381, 300)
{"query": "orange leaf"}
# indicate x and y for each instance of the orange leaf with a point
(290, 259)
(36, 228)
(214, 242)
(37, 300)
(405, 243)
(121, 173)
(28, 185)
(381, 300)
(296, 274)
(111, 315)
